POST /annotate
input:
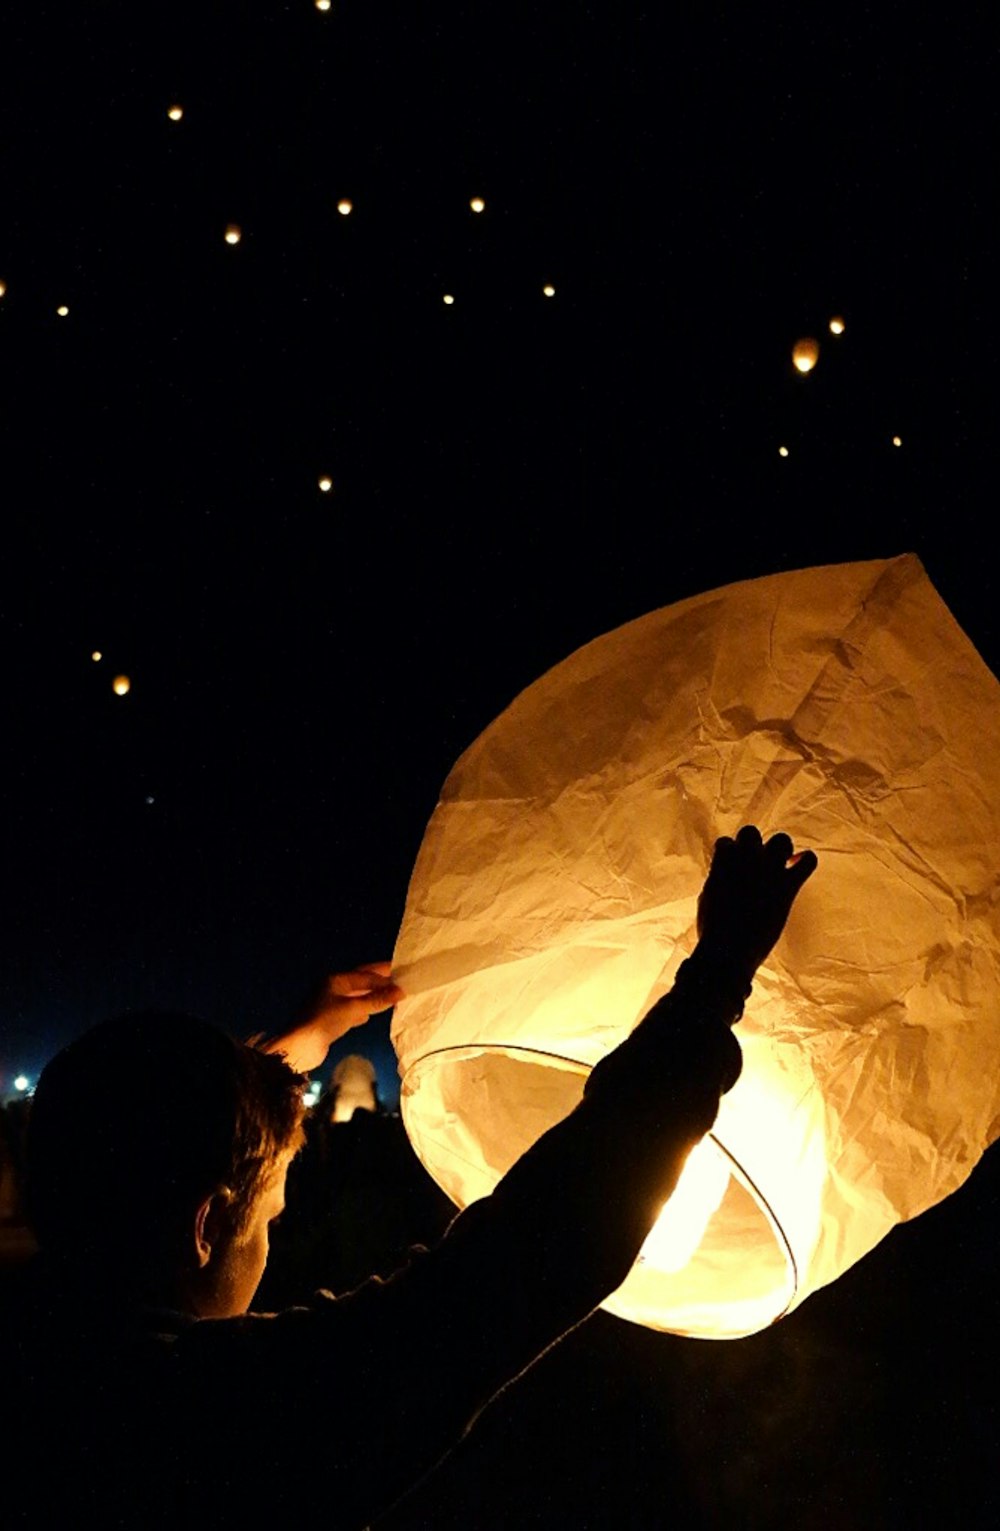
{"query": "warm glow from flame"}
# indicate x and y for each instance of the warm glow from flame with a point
(121, 685)
(326, 484)
(3, 288)
(837, 325)
(97, 656)
(233, 234)
(448, 298)
(782, 451)
(175, 113)
(549, 290)
(681, 1225)
(344, 206)
(477, 204)
(897, 441)
(322, 5)
(62, 310)
(805, 354)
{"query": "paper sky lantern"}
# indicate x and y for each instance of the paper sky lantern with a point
(353, 1087)
(805, 355)
(233, 234)
(121, 685)
(555, 892)
(837, 325)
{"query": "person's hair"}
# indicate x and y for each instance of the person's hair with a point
(137, 1122)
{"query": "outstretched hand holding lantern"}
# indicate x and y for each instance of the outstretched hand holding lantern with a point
(747, 898)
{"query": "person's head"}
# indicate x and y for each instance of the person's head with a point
(157, 1153)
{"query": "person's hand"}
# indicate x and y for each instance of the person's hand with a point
(745, 902)
(341, 1002)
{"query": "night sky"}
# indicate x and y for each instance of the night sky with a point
(512, 473)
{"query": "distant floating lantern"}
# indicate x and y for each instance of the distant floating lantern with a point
(121, 685)
(352, 1085)
(448, 298)
(843, 705)
(62, 310)
(837, 325)
(897, 441)
(233, 234)
(326, 484)
(175, 113)
(322, 5)
(97, 656)
(3, 288)
(782, 451)
(477, 204)
(344, 206)
(549, 290)
(805, 354)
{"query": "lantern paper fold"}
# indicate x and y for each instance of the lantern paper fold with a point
(554, 898)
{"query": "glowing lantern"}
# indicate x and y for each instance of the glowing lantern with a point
(805, 355)
(233, 234)
(62, 310)
(121, 685)
(477, 204)
(353, 1087)
(448, 299)
(782, 451)
(554, 898)
(837, 325)
(897, 441)
(322, 5)
(3, 288)
(175, 113)
(326, 484)
(344, 207)
(549, 290)
(97, 656)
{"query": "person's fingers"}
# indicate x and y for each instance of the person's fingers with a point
(779, 849)
(801, 869)
(723, 850)
(749, 836)
(358, 980)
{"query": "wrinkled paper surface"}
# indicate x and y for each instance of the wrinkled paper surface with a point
(554, 897)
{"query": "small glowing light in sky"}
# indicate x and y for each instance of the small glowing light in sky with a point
(345, 206)
(150, 799)
(448, 298)
(805, 354)
(97, 656)
(3, 288)
(549, 290)
(62, 310)
(233, 234)
(782, 451)
(21, 1082)
(322, 5)
(897, 441)
(175, 113)
(121, 685)
(326, 484)
(477, 204)
(836, 325)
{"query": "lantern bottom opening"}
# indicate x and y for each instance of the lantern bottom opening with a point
(471, 1112)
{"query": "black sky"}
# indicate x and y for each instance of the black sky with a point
(512, 474)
